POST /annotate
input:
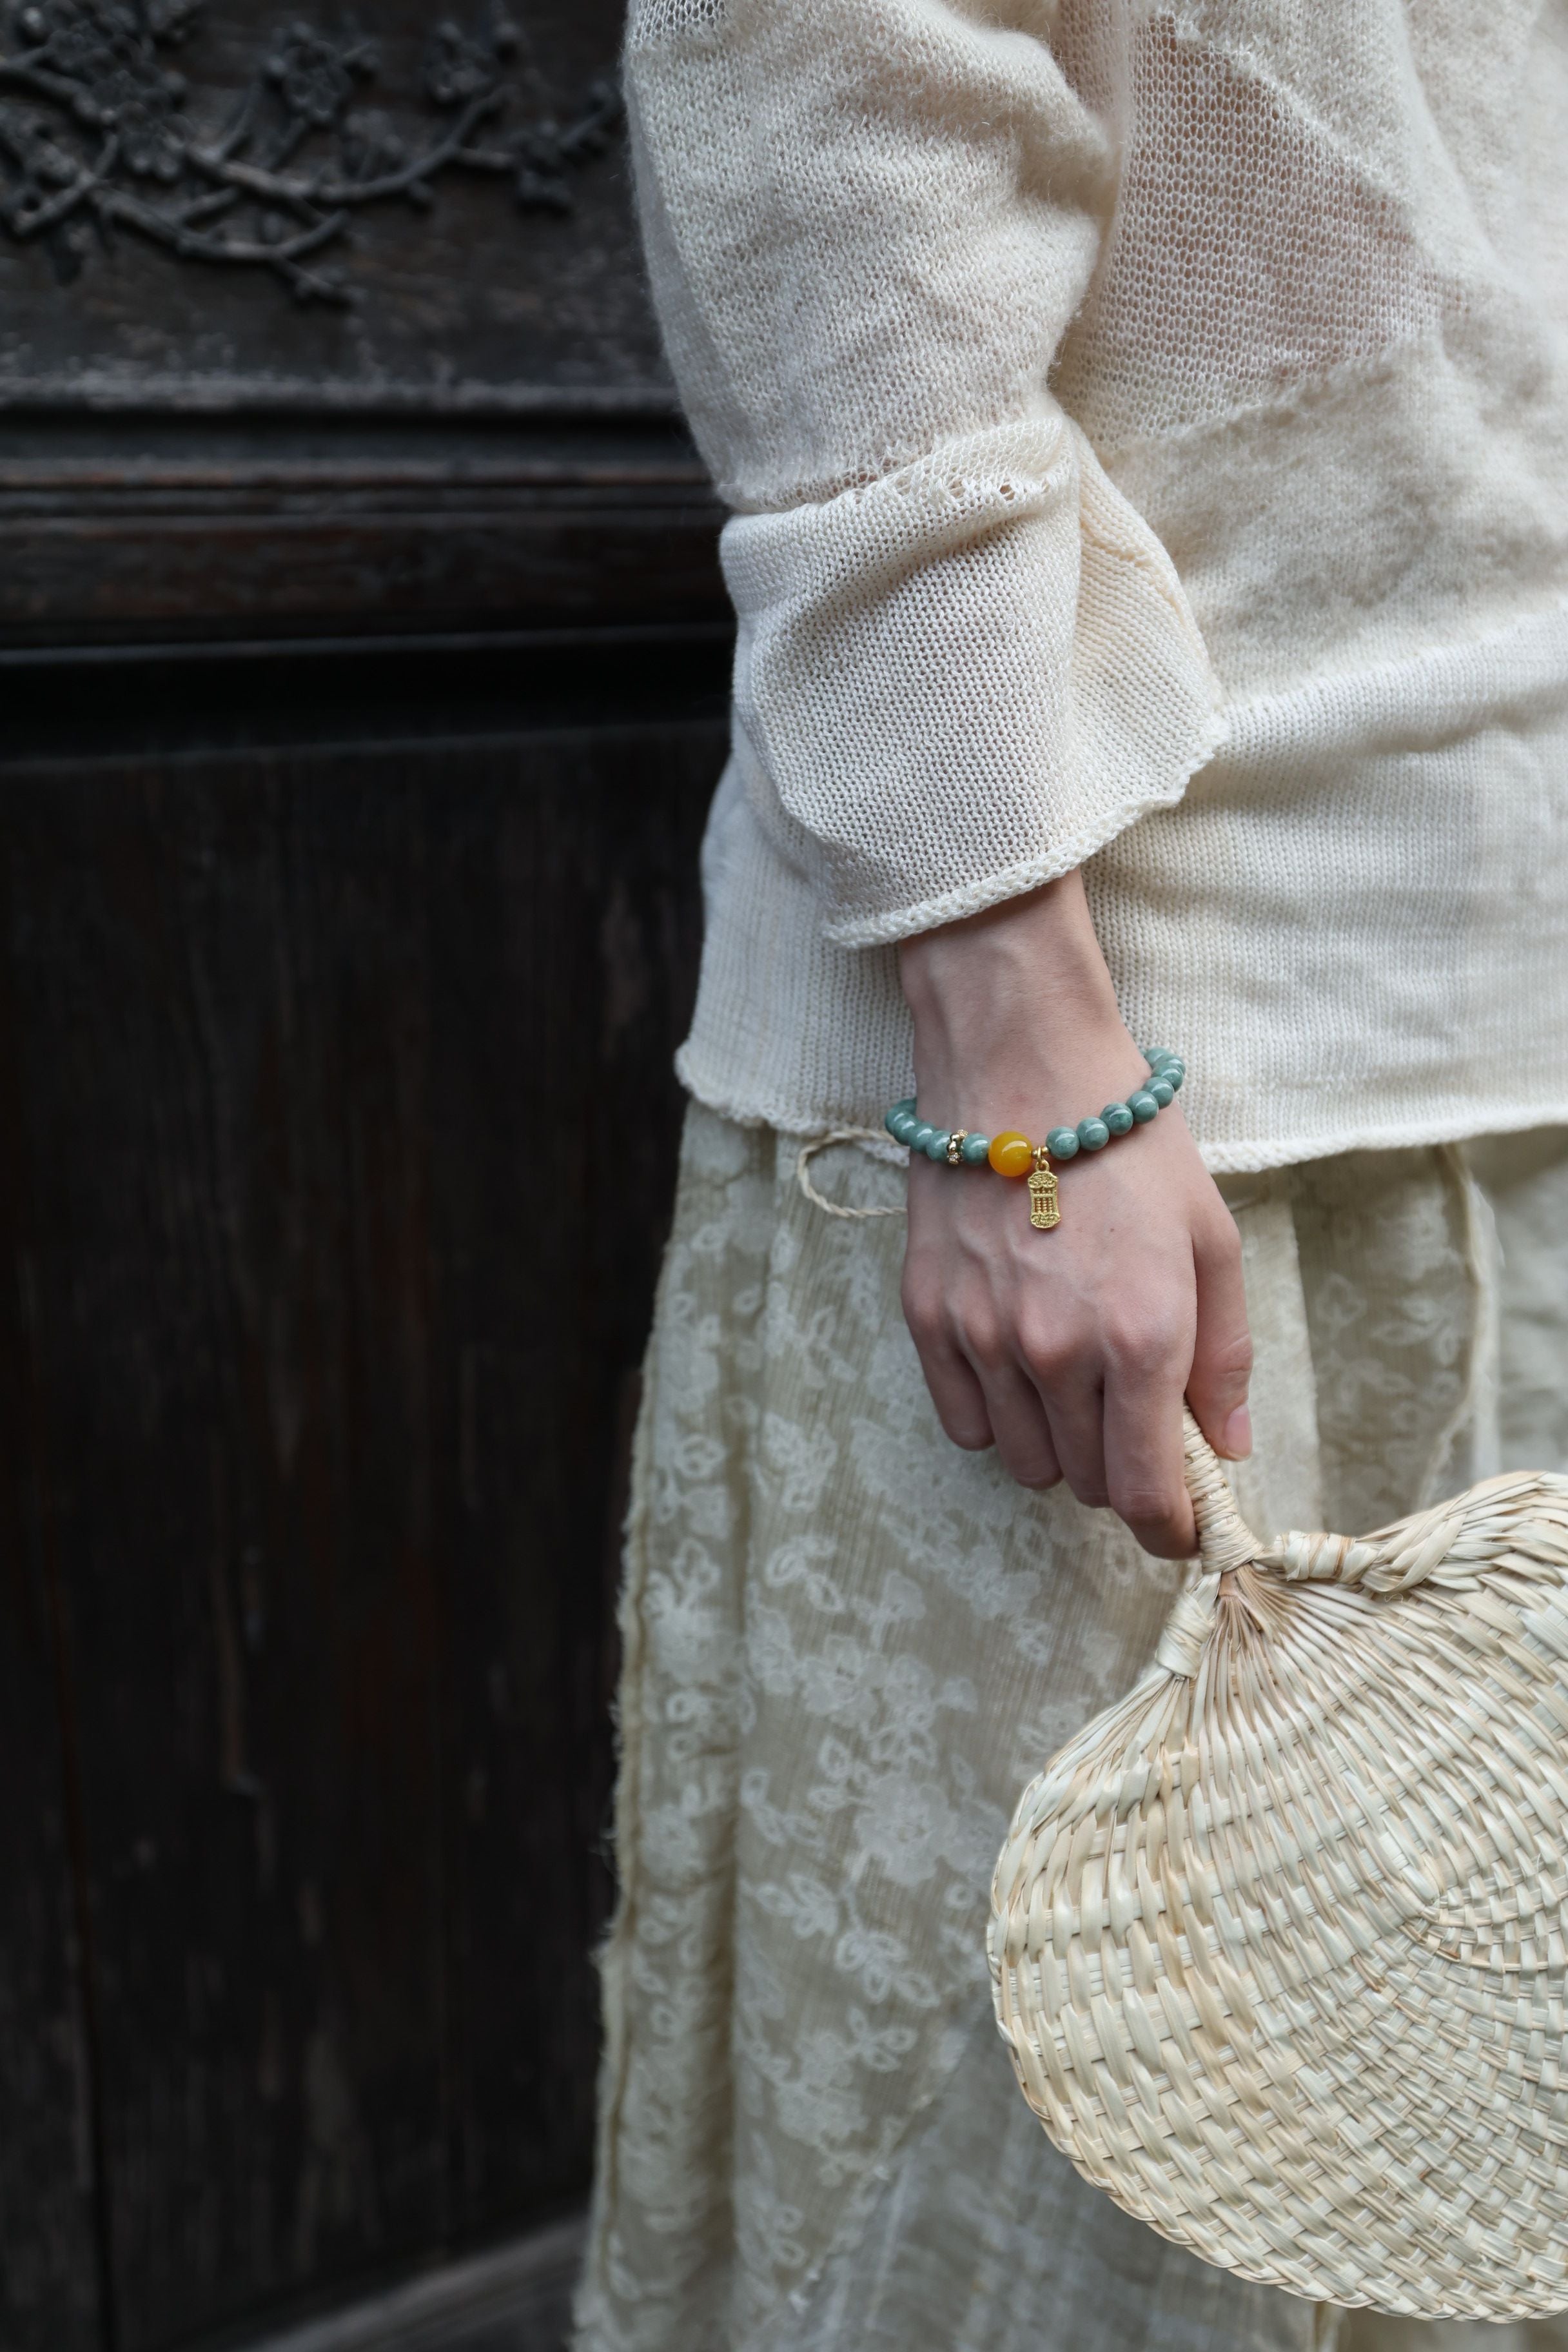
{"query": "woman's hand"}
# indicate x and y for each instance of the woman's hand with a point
(1071, 1352)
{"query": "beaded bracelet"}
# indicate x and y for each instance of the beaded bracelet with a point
(1013, 1154)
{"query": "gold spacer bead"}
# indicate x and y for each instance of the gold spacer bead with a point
(955, 1146)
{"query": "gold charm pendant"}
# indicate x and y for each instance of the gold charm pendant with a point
(1045, 1211)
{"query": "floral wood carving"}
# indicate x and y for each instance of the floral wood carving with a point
(95, 137)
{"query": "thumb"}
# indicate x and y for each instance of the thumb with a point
(1222, 1352)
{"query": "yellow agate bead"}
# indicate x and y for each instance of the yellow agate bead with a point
(1011, 1154)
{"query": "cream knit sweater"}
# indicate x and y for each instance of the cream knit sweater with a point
(1146, 430)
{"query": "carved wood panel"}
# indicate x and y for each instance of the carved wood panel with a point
(397, 207)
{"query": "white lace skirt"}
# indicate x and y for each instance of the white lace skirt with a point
(848, 1644)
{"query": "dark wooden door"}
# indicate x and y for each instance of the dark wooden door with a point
(362, 672)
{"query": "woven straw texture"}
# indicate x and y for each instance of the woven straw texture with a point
(1279, 1944)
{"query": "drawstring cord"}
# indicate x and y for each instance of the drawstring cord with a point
(1477, 1408)
(822, 1143)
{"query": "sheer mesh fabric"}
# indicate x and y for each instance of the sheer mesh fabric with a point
(1252, 250)
(1126, 410)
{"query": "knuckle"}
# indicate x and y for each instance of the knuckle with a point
(1053, 1353)
(1230, 1360)
(1147, 1505)
(985, 1339)
(1158, 1516)
(1033, 1466)
(1143, 1334)
(1046, 1360)
(925, 1330)
(1165, 1538)
(965, 1424)
(921, 1302)
(971, 1439)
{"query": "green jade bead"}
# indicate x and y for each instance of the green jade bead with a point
(1166, 1073)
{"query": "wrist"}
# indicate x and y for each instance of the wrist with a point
(1015, 1019)
(989, 970)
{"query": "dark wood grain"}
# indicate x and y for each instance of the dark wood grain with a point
(589, 914)
(349, 1129)
(49, 2249)
(126, 534)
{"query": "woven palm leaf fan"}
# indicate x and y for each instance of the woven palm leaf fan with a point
(1279, 1944)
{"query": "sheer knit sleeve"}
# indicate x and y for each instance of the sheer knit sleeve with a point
(964, 662)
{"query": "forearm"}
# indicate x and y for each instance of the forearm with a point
(1015, 1019)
